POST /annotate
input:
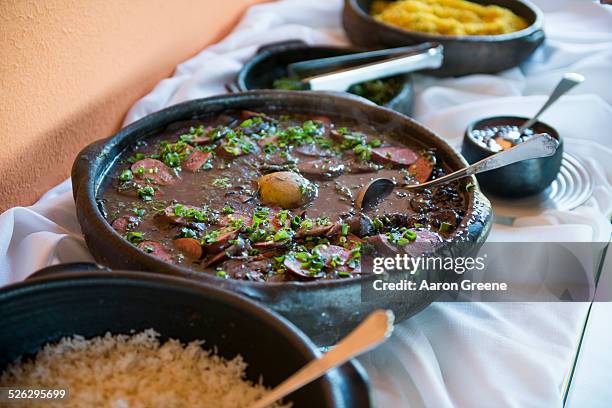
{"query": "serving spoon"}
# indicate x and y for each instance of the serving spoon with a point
(539, 145)
(568, 81)
(375, 329)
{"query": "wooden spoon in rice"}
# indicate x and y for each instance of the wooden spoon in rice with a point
(375, 329)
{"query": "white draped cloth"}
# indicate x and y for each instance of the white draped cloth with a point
(450, 354)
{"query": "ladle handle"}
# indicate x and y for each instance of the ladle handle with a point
(372, 331)
(341, 80)
(569, 81)
(539, 145)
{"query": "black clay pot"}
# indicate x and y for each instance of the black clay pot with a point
(270, 63)
(462, 55)
(325, 310)
(57, 304)
(520, 179)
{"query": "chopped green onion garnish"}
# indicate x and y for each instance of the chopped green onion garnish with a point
(134, 237)
(126, 175)
(445, 227)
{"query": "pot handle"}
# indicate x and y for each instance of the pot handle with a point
(280, 45)
(80, 169)
(66, 267)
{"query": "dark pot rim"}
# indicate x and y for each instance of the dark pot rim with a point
(92, 165)
(58, 279)
(519, 119)
(73, 279)
(536, 25)
(278, 48)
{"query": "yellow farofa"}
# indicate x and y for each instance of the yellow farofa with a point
(137, 371)
(447, 17)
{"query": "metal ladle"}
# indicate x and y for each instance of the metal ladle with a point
(568, 81)
(539, 145)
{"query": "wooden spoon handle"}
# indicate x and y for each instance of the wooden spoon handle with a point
(376, 328)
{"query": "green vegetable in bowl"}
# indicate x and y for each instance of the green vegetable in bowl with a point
(289, 84)
(379, 91)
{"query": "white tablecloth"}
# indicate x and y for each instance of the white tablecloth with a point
(464, 355)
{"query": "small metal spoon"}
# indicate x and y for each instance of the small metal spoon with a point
(539, 145)
(375, 329)
(568, 81)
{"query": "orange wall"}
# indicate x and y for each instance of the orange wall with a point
(70, 69)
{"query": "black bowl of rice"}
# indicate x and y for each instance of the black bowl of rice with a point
(129, 339)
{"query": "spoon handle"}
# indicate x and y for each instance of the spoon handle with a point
(342, 79)
(568, 81)
(539, 145)
(324, 65)
(371, 332)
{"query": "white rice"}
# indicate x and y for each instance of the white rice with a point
(123, 371)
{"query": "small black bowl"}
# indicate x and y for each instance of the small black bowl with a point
(71, 299)
(270, 63)
(520, 179)
(462, 54)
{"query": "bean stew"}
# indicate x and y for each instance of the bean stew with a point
(246, 195)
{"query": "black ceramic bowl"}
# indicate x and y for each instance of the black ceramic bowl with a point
(520, 179)
(270, 63)
(462, 54)
(325, 309)
(55, 305)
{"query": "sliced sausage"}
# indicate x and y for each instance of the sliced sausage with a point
(196, 160)
(213, 259)
(265, 245)
(202, 139)
(382, 246)
(399, 156)
(240, 268)
(169, 215)
(346, 268)
(154, 171)
(157, 250)
(358, 166)
(427, 236)
(125, 223)
(352, 241)
(295, 268)
(421, 169)
(315, 231)
(425, 241)
(322, 169)
(222, 241)
(189, 246)
(232, 250)
(334, 252)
